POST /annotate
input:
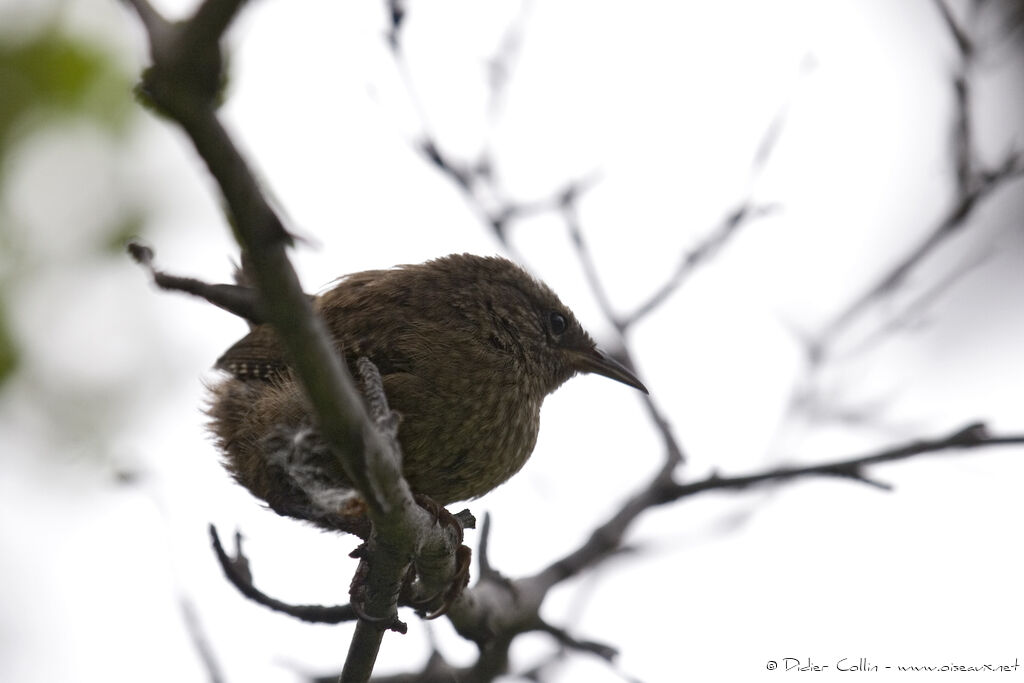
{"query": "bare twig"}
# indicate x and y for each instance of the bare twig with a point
(699, 255)
(200, 641)
(744, 212)
(503, 62)
(963, 43)
(674, 453)
(566, 639)
(241, 579)
(483, 548)
(240, 300)
(570, 216)
(974, 182)
(916, 309)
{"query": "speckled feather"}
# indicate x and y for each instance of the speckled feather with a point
(467, 354)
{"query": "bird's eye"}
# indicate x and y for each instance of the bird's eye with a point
(557, 323)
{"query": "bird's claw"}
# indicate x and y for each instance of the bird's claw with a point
(438, 604)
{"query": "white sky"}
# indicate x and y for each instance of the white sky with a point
(667, 102)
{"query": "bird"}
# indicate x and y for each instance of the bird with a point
(467, 346)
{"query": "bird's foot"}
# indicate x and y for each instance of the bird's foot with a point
(438, 604)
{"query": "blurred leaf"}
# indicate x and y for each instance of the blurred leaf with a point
(54, 74)
(8, 352)
(47, 79)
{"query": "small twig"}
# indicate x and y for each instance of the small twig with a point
(974, 435)
(200, 641)
(745, 211)
(212, 19)
(240, 300)
(698, 256)
(673, 451)
(483, 548)
(236, 570)
(915, 309)
(953, 222)
(974, 182)
(963, 43)
(570, 217)
(605, 652)
(502, 63)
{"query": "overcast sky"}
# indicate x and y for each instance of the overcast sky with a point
(665, 105)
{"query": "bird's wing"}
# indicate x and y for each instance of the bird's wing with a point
(353, 324)
(257, 355)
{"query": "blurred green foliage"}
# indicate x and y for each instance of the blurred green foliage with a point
(58, 75)
(8, 352)
(49, 79)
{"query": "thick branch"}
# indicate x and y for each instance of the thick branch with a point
(183, 84)
(263, 238)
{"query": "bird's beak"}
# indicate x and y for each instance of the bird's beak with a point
(600, 363)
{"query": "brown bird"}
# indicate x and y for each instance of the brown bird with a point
(468, 348)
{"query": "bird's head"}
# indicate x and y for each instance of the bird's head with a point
(526, 324)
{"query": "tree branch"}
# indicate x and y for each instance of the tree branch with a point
(974, 182)
(183, 83)
(236, 570)
(662, 490)
(705, 250)
(493, 611)
(238, 299)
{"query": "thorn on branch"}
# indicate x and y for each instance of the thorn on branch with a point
(856, 473)
(975, 433)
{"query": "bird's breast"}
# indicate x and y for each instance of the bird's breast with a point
(464, 434)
